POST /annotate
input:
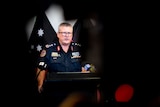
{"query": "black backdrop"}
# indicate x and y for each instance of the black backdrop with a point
(130, 53)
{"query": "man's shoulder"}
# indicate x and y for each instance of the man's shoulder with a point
(76, 44)
(53, 44)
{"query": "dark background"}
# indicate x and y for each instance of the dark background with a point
(130, 52)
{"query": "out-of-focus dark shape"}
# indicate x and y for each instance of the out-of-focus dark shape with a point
(78, 99)
(124, 93)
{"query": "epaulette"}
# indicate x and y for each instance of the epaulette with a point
(50, 45)
(76, 44)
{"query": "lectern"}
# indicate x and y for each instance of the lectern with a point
(60, 84)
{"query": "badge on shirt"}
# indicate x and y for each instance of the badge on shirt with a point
(55, 54)
(75, 55)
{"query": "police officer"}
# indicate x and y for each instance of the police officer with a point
(60, 56)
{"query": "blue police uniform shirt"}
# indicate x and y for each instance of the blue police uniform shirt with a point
(54, 59)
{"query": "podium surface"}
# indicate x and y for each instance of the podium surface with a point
(72, 76)
(61, 84)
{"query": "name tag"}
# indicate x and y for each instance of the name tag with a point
(55, 54)
(75, 55)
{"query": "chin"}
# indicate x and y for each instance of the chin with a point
(66, 43)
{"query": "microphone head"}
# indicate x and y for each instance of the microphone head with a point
(89, 67)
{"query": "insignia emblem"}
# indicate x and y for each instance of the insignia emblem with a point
(41, 63)
(72, 48)
(58, 48)
(75, 55)
(54, 54)
(43, 53)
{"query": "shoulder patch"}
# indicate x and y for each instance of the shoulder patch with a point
(43, 53)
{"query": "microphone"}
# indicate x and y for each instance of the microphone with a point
(89, 67)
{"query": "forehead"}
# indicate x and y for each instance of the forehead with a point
(65, 28)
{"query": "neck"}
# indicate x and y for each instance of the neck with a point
(65, 47)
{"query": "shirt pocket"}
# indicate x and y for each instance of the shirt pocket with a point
(75, 60)
(56, 60)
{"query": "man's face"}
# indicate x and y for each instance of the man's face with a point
(65, 35)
